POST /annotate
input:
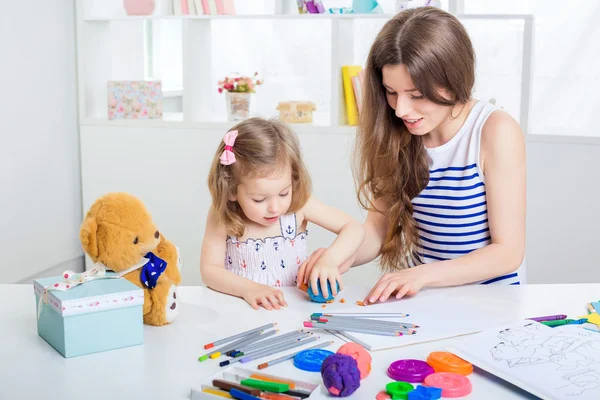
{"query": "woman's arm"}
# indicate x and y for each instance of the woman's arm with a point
(503, 162)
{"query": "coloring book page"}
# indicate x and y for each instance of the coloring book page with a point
(551, 363)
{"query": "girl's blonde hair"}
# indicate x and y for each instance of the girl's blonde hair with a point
(391, 163)
(261, 148)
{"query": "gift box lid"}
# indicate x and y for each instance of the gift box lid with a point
(92, 296)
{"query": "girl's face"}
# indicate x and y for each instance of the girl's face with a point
(421, 116)
(263, 200)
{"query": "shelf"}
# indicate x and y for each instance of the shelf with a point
(175, 121)
(293, 16)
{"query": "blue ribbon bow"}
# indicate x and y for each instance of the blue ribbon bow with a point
(152, 270)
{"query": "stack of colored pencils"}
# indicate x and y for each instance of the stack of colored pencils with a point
(251, 345)
(372, 324)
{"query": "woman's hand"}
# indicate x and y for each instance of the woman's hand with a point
(406, 282)
(268, 297)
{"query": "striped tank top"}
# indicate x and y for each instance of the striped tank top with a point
(451, 212)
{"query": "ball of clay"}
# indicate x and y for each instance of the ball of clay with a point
(319, 298)
(340, 375)
(362, 357)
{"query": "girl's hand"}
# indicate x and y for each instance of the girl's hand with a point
(324, 271)
(305, 271)
(407, 282)
(264, 296)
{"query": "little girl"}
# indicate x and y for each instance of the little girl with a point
(256, 235)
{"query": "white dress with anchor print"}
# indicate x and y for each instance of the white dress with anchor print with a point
(272, 261)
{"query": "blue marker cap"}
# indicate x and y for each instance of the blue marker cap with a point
(311, 359)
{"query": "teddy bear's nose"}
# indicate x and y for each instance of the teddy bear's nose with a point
(156, 234)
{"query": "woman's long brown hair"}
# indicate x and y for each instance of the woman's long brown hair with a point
(391, 164)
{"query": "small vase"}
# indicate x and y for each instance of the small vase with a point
(138, 7)
(238, 105)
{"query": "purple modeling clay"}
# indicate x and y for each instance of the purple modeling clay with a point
(340, 375)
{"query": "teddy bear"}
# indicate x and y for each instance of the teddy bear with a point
(118, 232)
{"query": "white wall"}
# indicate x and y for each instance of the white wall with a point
(39, 154)
(562, 191)
(562, 210)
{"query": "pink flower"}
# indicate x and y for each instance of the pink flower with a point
(220, 90)
(120, 108)
(145, 112)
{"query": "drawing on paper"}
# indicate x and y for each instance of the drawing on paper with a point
(575, 354)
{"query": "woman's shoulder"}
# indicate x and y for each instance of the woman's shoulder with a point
(501, 136)
(499, 127)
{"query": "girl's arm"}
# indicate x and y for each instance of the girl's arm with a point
(375, 228)
(215, 276)
(350, 235)
(504, 167)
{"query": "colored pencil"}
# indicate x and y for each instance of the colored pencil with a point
(370, 326)
(290, 356)
(263, 343)
(259, 349)
(355, 339)
(267, 352)
(239, 335)
(364, 315)
(364, 320)
(548, 318)
(362, 324)
(354, 329)
(251, 338)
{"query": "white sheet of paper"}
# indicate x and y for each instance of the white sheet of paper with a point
(438, 317)
(551, 363)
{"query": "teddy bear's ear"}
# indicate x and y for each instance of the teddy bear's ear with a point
(87, 235)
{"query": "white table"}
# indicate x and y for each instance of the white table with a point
(166, 366)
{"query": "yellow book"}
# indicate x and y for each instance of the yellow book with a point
(348, 72)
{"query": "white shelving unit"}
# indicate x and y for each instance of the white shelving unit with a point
(97, 60)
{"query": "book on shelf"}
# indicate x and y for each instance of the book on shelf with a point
(356, 85)
(192, 7)
(185, 10)
(177, 7)
(199, 7)
(210, 7)
(349, 72)
(228, 7)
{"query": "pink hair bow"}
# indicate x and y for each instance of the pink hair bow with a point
(228, 158)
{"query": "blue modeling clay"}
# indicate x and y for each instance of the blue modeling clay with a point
(318, 298)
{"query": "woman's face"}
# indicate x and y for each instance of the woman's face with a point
(421, 116)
